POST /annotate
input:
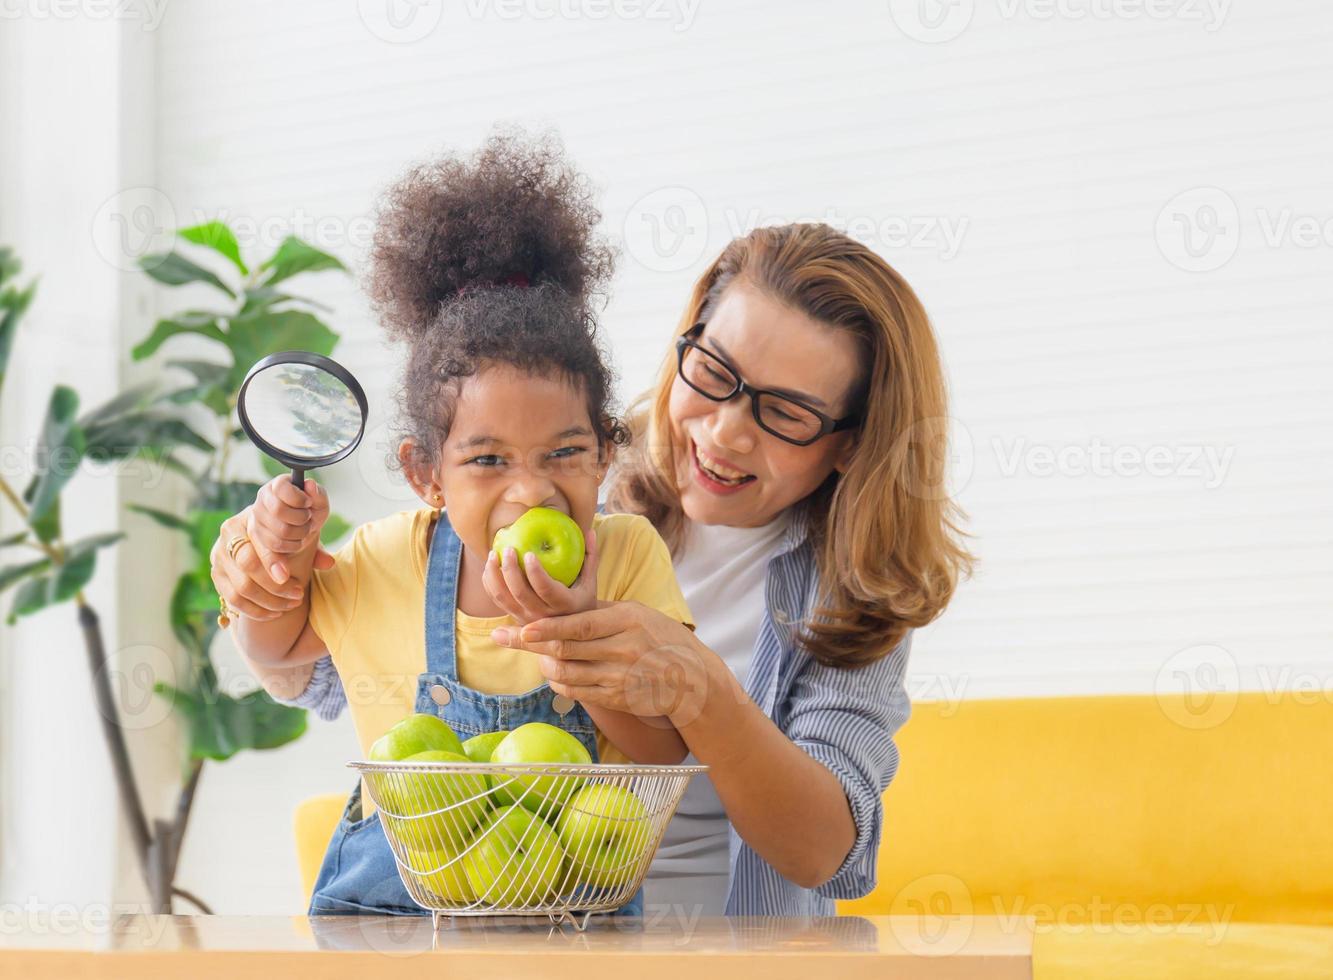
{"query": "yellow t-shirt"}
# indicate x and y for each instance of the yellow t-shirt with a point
(370, 609)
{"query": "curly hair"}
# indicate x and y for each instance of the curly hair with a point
(492, 260)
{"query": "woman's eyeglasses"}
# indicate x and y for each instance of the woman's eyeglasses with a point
(788, 419)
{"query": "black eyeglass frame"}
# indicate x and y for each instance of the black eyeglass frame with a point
(827, 424)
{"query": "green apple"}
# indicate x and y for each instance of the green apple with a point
(433, 810)
(514, 859)
(604, 830)
(555, 538)
(479, 747)
(538, 742)
(415, 733)
(440, 871)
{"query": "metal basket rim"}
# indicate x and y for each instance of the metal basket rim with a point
(530, 768)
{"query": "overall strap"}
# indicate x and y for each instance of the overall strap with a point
(442, 568)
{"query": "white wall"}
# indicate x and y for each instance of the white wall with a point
(1038, 163)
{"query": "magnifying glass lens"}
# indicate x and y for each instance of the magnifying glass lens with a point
(302, 410)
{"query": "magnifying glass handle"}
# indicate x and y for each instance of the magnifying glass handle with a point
(298, 478)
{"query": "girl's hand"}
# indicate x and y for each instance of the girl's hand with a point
(535, 595)
(244, 580)
(628, 657)
(286, 520)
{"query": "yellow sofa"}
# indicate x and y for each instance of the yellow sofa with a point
(1148, 837)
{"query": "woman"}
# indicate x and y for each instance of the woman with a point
(790, 456)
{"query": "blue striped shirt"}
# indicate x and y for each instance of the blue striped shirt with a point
(844, 718)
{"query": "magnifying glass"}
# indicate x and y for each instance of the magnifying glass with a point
(305, 410)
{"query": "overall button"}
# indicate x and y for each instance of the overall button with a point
(562, 705)
(439, 694)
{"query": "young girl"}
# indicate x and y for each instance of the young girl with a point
(484, 268)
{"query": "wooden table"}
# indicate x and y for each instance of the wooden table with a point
(148, 947)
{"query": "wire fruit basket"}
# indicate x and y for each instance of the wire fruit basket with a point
(553, 839)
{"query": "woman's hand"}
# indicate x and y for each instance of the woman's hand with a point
(536, 595)
(255, 581)
(622, 655)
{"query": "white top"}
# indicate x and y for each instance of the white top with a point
(722, 572)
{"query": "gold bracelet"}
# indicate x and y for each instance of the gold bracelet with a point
(224, 617)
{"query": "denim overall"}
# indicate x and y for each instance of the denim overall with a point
(359, 874)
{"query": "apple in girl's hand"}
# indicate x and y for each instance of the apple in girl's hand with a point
(555, 538)
(539, 742)
(415, 733)
(514, 859)
(434, 810)
(604, 830)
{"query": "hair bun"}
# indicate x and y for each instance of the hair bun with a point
(514, 213)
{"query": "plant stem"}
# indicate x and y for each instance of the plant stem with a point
(115, 737)
(55, 552)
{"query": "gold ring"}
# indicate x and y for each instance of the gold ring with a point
(235, 545)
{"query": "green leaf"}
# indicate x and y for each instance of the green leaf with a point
(220, 725)
(164, 518)
(334, 528)
(174, 269)
(63, 583)
(232, 496)
(191, 598)
(15, 573)
(47, 528)
(147, 435)
(84, 546)
(207, 527)
(13, 304)
(271, 466)
(210, 387)
(294, 257)
(131, 399)
(196, 321)
(60, 452)
(264, 297)
(218, 237)
(9, 264)
(10, 540)
(260, 334)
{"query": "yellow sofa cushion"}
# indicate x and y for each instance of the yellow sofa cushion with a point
(1119, 809)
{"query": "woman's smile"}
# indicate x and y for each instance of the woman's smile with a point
(720, 481)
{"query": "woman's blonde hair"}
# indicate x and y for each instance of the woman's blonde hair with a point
(885, 533)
